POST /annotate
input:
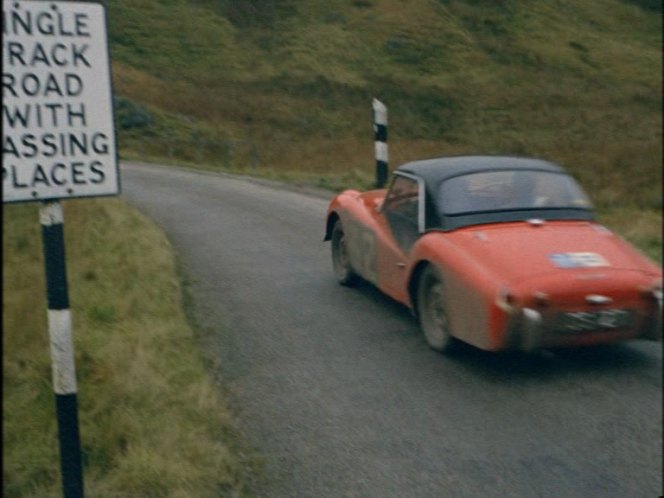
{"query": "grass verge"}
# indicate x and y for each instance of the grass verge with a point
(152, 422)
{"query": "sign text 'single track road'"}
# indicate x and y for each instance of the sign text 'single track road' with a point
(58, 139)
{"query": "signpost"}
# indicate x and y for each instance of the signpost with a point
(58, 142)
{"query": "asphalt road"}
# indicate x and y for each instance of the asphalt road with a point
(343, 398)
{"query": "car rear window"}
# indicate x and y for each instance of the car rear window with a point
(509, 191)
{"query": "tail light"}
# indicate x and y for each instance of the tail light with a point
(541, 299)
(506, 300)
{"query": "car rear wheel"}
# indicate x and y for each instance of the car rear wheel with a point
(432, 312)
(343, 270)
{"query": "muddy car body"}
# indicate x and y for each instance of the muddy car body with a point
(498, 252)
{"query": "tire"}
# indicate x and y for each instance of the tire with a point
(432, 312)
(343, 271)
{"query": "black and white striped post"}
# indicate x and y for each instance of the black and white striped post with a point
(380, 142)
(62, 348)
(64, 171)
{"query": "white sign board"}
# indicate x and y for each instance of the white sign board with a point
(58, 138)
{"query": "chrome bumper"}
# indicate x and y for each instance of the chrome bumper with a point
(525, 329)
(531, 329)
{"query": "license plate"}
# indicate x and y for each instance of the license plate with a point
(585, 321)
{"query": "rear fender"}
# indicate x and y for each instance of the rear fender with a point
(470, 292)
(413, 284)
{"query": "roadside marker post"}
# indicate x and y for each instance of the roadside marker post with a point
(58, 142)
(380, 142)
(62, 348)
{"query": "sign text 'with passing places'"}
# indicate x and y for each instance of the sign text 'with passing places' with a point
(58, 139)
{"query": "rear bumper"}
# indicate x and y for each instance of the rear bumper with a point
(529, 330)
(525, 330)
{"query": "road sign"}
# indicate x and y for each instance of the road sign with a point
(58, 138)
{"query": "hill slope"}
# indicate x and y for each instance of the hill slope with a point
(287, 85)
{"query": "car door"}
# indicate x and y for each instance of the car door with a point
(401, 221)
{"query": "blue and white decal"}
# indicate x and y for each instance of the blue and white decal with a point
(578, 260)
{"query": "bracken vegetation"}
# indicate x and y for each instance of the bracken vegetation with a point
(284, 88)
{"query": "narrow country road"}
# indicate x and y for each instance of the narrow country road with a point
(343, 398)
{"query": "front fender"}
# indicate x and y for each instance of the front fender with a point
(337, 208)
(356, 212)
(332, 218)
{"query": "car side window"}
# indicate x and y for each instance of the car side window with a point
(401, 209)
(402, 199)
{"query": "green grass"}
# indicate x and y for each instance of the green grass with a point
(152, 422)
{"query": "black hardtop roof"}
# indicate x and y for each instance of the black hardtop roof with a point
(433, 171)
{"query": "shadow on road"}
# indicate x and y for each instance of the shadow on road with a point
(543, 364)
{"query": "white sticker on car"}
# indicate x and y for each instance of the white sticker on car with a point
(578, 260)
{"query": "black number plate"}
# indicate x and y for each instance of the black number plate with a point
(585, 321)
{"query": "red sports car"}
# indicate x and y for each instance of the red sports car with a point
(498, 252)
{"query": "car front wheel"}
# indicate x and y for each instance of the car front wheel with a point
(432, 312)
(343, 270)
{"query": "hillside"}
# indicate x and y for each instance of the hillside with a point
(273, 86)
(283, 88)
